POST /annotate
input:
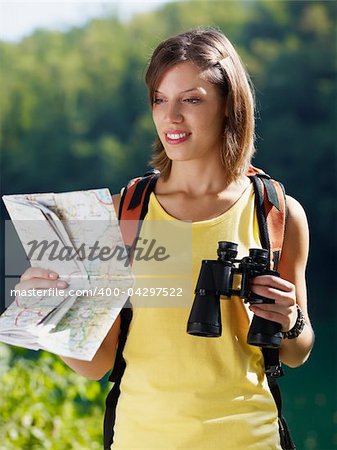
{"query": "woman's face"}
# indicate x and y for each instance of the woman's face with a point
(189, 114)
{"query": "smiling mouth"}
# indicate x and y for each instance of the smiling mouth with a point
(175, 138)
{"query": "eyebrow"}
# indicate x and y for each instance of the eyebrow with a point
(182, 92)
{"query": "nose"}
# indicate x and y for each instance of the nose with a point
(174, 113)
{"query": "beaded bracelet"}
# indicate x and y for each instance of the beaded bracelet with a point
(297, 328)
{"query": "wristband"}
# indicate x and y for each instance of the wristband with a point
(297, 328)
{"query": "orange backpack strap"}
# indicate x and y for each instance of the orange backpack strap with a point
(134, 205)
(132, 210)
(271, 208)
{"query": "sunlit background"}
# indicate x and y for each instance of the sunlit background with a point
(20, 18)
(74, 115)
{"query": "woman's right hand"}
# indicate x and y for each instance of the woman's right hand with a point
(37, 278)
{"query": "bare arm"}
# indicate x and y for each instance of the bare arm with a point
(104, 358)
(290, 288)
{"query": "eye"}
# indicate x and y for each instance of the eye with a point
(158, 101)
(192, 100)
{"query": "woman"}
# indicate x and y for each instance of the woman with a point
(181, 391)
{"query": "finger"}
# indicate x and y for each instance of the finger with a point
(38, 272)
(40, 283)
(269, 315)
(278, 308)
(286, 317)
(272, 281)
(279, 296)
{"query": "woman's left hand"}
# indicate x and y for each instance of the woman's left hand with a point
(283, 292)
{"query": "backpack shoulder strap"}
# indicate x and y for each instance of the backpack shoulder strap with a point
(134, 205)
(132, 210)
(271, 208)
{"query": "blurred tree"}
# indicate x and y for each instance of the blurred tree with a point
(51, 408)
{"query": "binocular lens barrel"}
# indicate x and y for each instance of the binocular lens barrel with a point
(227, 251)
(264, 333)
(214, 280)
(205, 316)
(259, 255)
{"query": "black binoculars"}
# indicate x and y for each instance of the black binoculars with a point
(216, 278)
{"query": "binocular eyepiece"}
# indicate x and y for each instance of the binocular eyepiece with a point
(229, 277)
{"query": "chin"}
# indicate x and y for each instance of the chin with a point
(178, 155)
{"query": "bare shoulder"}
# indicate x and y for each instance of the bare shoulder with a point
(295, 209)
(296, 239)
(297, 220)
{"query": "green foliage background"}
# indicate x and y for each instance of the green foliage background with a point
(74, 115)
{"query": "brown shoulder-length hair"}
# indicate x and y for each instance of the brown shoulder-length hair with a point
(221, 65)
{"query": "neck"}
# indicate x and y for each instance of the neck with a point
(195, 178)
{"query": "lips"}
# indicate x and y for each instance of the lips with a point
(176, 136)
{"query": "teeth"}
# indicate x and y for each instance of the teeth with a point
(176, 136)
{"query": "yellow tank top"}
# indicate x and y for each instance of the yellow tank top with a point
(186, 392)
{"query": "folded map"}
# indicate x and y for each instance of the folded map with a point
(76, 235)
